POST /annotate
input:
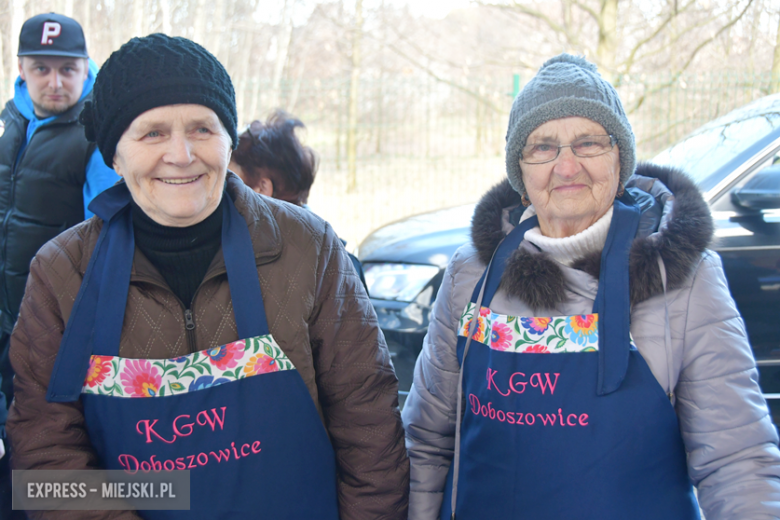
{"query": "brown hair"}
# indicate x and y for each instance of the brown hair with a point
(272, 150)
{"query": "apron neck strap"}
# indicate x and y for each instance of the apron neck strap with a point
(613, 299)
(95, 323)
(245, 292)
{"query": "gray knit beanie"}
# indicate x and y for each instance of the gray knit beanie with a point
(567, 86)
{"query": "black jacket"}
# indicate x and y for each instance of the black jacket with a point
(41, 195)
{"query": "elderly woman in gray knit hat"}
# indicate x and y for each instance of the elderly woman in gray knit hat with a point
(585, 358)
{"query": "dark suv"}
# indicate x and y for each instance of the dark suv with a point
(735, 160)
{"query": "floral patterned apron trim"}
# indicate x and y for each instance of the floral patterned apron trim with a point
(122, 377)
(534, 335)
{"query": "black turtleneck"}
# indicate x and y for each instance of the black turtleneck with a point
(181, 254)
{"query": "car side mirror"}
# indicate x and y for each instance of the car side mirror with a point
(760, 192)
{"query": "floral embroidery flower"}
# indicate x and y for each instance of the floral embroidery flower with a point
(536, 325)
(227, 356)
(180, 359)
(140, 378)
(536, 349)
(479, 334)
(583, 328)
(500, 337)
(99, 368)
(260, 364)
(206, 382)
(484, 311)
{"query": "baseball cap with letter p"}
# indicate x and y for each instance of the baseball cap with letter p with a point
(52, 35)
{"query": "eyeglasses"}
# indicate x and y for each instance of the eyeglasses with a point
(588, 146)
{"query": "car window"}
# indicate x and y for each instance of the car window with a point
(703, 152)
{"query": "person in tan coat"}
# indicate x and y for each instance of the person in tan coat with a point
(190, 292)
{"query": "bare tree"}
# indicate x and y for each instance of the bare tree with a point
(676, 20)
(283, 36)
(165, 16)
(139, 24)
(354, 81)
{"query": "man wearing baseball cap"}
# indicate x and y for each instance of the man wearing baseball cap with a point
(49, 172)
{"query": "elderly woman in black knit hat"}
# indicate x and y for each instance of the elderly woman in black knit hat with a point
(585, 358)
(195, 325)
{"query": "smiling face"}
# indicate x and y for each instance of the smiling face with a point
(570, 193)
(174, 160)
(55, 83)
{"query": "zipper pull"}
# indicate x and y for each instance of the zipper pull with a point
(189, 322)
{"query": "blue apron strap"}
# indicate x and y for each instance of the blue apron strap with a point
(613, 301)
(495, 270)
(248, 306)
(100, 293)
(102, 297)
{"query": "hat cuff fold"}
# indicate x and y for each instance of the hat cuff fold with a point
(568, 107)
(179, 93)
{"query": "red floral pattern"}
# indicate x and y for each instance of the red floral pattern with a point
(99, 368)
(261, 364)
(141, 379)
(500, 337)
(227, 356)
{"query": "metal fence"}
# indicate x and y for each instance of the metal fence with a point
(423, 144)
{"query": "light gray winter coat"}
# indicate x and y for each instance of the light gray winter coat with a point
(708, 366)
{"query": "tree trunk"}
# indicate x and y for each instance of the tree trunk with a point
(86, 24)
(139, 25)
(478, 128)
(16, 7)
(379, 110)
(283, 37)
(243, 74)
(255, 98)
(117, 38)
(339, 129)
(165, 11)
(353, 100)
(297, 85)
(606, 52)
(776, 62)
(217, 27)
(200, 23)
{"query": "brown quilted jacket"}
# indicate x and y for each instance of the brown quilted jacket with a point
(317, 311)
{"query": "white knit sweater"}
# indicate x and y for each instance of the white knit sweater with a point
(567, 250)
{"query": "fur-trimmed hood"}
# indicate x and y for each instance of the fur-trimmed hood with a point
(675, 223)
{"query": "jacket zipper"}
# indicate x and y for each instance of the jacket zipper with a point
(189, 316)
(189, 324)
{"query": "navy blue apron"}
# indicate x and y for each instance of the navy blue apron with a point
(586, 434)
(246, 428)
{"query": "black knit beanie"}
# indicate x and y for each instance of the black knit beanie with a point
(151, 72)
